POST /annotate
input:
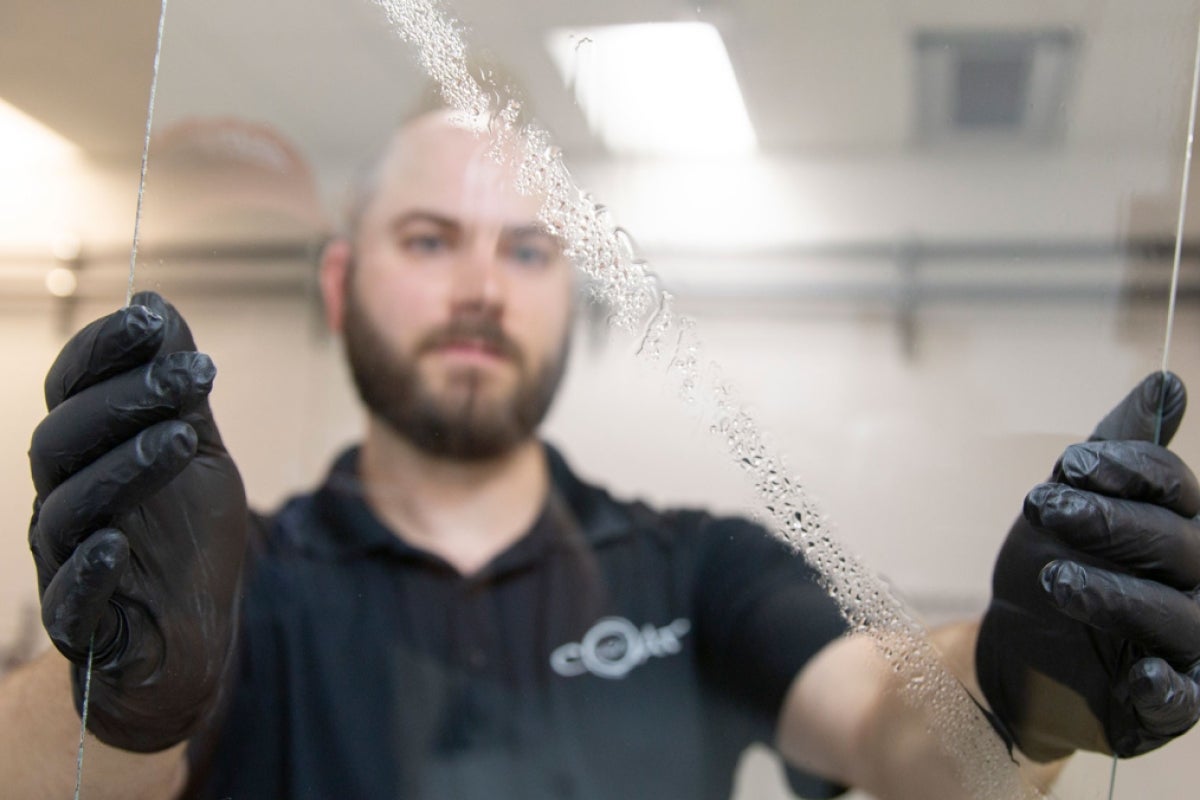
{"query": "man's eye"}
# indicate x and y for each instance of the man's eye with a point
(425, 243)
(531, 255)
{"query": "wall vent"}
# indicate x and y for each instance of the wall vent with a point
(993, 88)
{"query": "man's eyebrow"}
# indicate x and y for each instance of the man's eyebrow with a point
(420, 215)
(532, 229)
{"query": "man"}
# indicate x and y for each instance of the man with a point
(453, 614)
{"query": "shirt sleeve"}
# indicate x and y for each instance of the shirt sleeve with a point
(761, 614)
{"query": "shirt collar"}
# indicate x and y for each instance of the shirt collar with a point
(351, 528)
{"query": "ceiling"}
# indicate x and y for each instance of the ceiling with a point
(817, 76)
(823, 79)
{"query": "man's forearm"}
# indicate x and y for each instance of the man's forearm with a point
(956, 644)
(39, 739)
(847, 718)
(844, 718)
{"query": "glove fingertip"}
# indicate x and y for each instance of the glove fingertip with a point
(151, 300)
(1166, 702)
(105, 347)
(168, 445)
(1137, 415)
(1173, 400)
(104, 552)
(1147, 678)
(1067, 584)
(1040, 503)
(177, 335)
(77, 599)
(1050, 574)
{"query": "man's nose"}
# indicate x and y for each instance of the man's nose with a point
(479, 280)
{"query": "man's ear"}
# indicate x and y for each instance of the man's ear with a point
(336, 257)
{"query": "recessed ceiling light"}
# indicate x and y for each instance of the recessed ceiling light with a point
(655, 89)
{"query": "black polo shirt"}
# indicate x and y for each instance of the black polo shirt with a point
(614, 652)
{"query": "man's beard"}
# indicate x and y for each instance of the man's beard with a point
(466, 422)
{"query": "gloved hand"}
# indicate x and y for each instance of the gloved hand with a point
(1092, 638)
(139, 525)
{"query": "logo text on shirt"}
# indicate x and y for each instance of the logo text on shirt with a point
(614, 646)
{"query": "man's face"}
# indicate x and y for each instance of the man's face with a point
(458, 304)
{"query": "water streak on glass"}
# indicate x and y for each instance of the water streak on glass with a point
(636, 303)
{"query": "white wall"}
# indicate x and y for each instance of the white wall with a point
(919, 461)
(918, 442)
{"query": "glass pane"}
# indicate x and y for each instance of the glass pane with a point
(925, 248)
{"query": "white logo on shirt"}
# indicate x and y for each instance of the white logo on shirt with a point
(614, 646)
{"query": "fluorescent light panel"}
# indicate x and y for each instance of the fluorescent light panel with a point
(24, 140)
(664, 88)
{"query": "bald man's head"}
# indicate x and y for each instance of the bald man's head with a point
(454, 302)
(432, 141)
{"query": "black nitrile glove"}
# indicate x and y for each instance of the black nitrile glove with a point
(139, 525)
(1092, 638)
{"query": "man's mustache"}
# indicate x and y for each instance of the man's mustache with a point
(485, 331)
